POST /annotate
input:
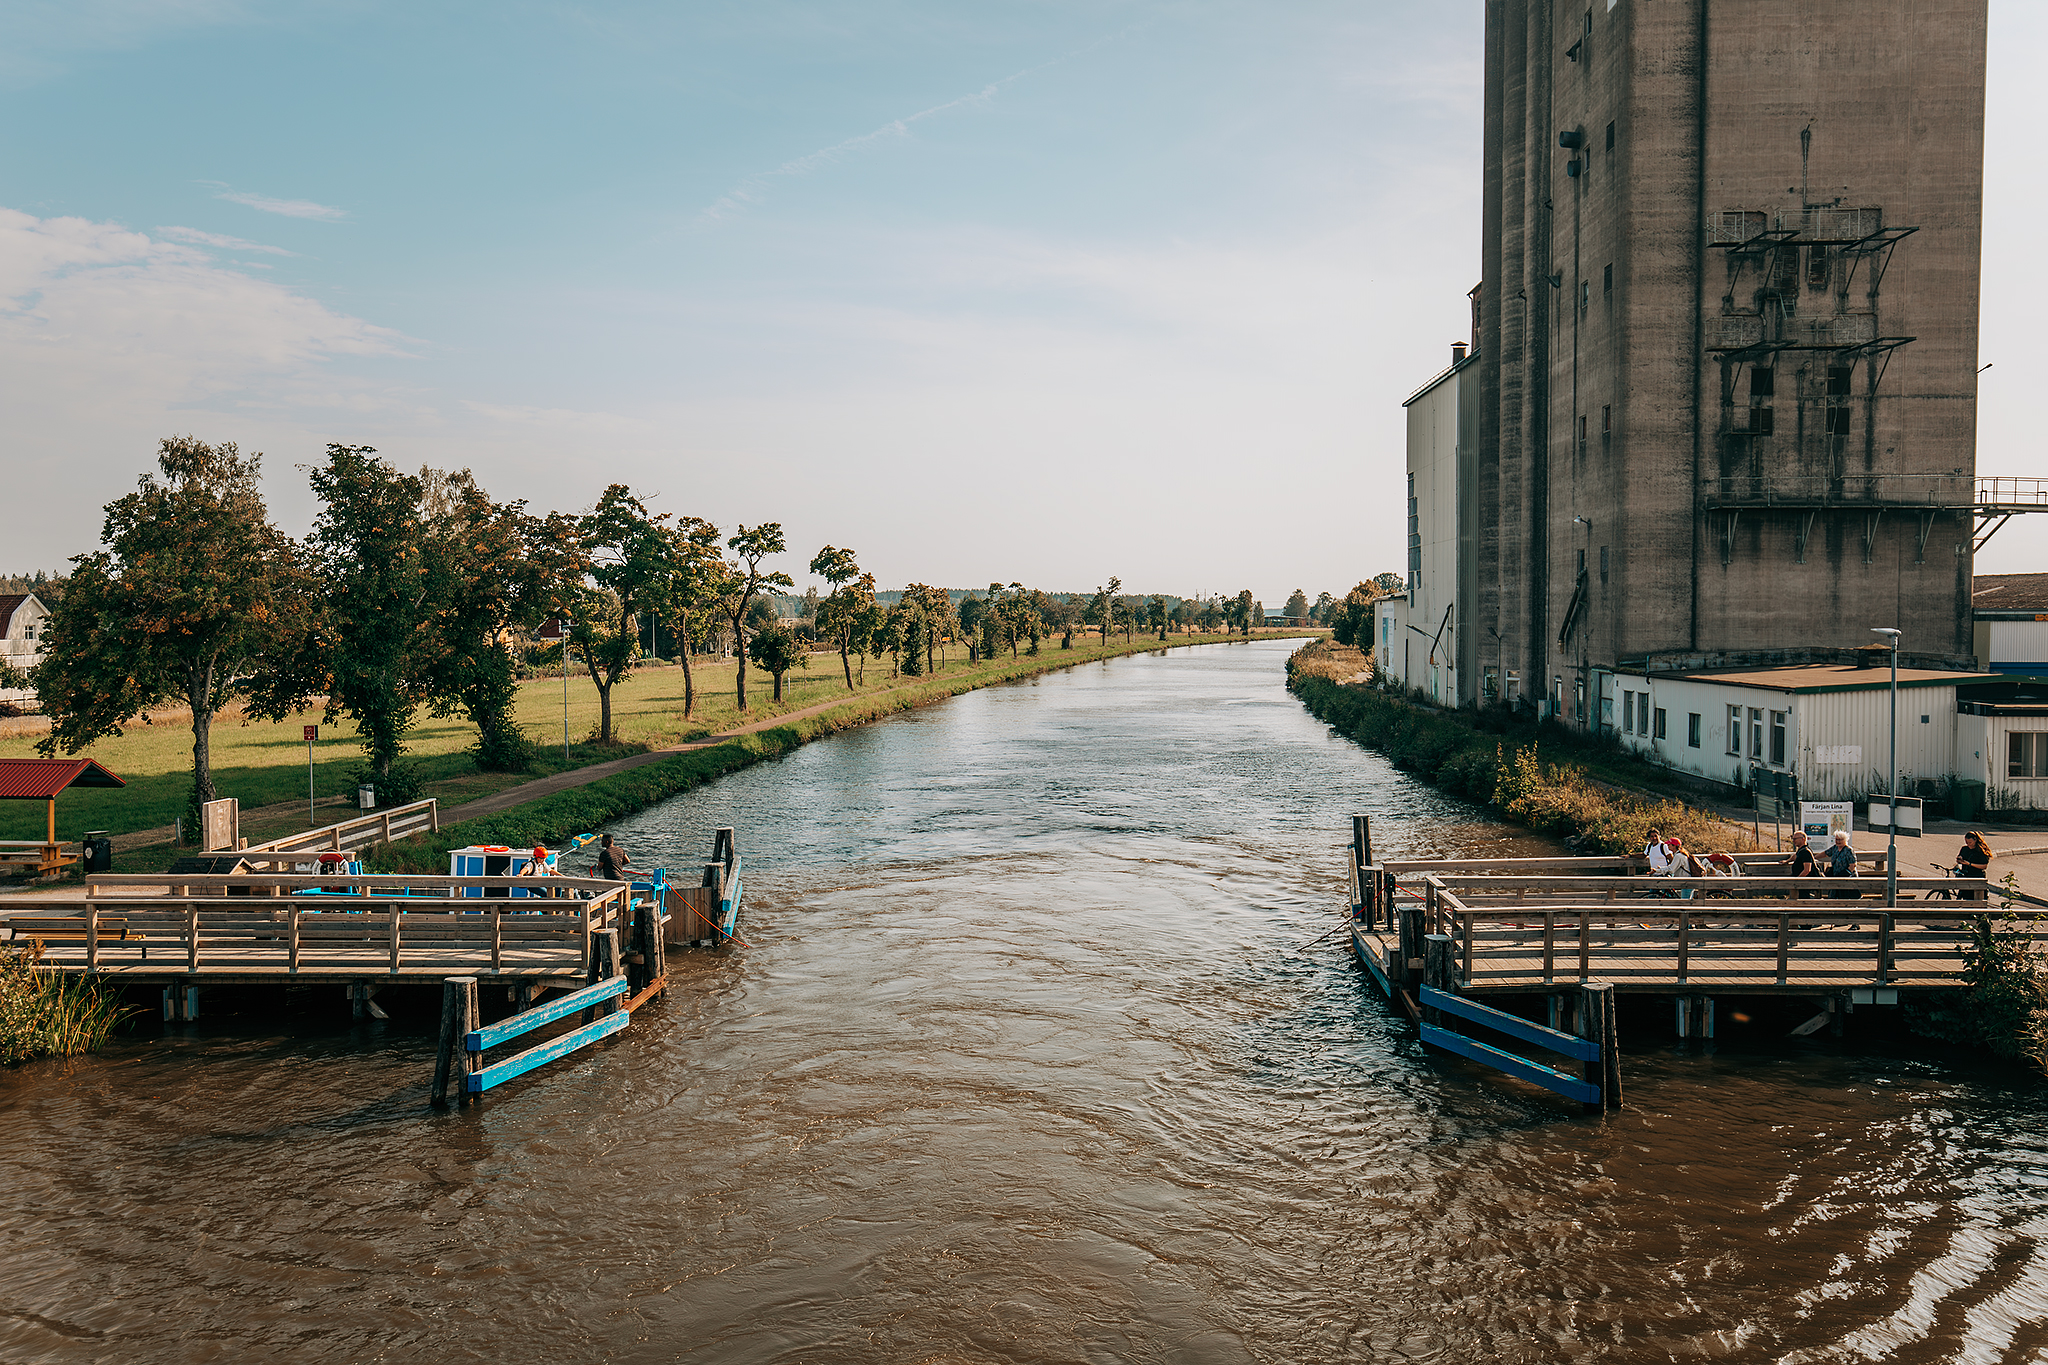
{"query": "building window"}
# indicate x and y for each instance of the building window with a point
(2026, 754)
(1556, 696)
(1762, 421)
(1603, 563)
(1657, 723)
(1582, 433)
(1414, 537)
(1763, 382)
(1735, 730)
(1838, 380)
(1628, 713)
(1606, 418)
(1692, 730)
(1607, 274)
(1610, 142)
(1579, 700)
(1585, 296)
(1838, 421)
(1756, 733)
(1778, 719)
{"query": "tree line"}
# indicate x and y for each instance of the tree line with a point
(417, 594)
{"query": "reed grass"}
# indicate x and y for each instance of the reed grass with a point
(44, 1013)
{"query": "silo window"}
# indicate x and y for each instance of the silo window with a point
(1838, 380)
(1603, 563)
(1607, 275)
(1763, 382)
(1610, 136)
(1838, 421)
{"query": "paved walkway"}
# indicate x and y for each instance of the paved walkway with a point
(578, 777)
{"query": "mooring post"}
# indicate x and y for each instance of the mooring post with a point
(1361, 858)
(648, 929)
(1439, 970)
(604, 965)
(1597, 1025)
(1410, 942)
(451, 1063)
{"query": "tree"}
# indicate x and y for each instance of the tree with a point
(750, 545)
(1156, 614)
(1241, 611)
(195, 597)
(776, 648)
(932, 610)
(697, 582)
(1390, 583)
(385, 591)
(845, 608)
(631, 561)
(1101, 612)
(1351, 619)
(1296, 608)
(1320, 612)
(504, 571)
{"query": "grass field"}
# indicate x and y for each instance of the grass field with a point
(264, 764)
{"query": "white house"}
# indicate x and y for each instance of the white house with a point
(23, 620)
(1420, 636)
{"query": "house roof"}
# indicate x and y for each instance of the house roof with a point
(2003, 592)
(1830, 678)
(39, 779)
(10, 603)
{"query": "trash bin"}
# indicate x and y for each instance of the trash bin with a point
(98, 850)
(366, 797)
(1966, 795)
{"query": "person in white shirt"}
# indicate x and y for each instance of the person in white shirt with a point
(1658, 857)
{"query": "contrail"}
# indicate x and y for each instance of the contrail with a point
(748, 191)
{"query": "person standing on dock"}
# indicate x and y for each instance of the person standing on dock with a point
(1841, 862)
(1801, 863)
(1656, 855)
(612, 863)
(1974, 860)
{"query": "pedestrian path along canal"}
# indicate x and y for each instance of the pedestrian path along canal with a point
(1021, 1065)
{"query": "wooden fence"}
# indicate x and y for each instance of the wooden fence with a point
(347, 836)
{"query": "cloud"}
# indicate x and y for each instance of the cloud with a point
(290, 208)
(194, 237)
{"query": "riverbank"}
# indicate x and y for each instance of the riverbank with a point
(622, 789)
(1539, 777)
(266, 766)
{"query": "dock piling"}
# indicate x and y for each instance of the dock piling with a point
(1439, 970)
(458, 1017)
(1597, 1024)
(1410, 942)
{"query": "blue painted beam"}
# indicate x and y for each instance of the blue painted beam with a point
(729, 908)
(519, 1063)
(1571, 1087)
(1582, 1049)
(505, 1030)
(1369, 959)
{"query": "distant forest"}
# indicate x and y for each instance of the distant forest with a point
(48, 587)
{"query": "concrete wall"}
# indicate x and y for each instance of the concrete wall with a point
(1605, 419)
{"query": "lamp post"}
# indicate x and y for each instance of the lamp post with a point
(1891, 858)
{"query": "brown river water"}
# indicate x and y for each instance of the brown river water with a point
(1022, 1064)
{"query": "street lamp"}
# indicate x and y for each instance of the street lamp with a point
(1891, 859)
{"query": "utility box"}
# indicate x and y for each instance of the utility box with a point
(366, 797)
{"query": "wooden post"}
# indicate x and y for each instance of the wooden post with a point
(292, 936)
(393, 912)
(604, 965)
(1886, 926)
(1549, 948)
(1596, 1024)
(358, 1002)
(1409, 941)
(434, 816)
(92, 937)
(191, 936)
(451, 1037)
(1784, 944)
(387, 826)
(1361, 858)
(1684, 941)
(1430, 922)
(1439, 969)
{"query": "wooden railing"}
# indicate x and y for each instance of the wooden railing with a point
(347, 836)
(365, 925)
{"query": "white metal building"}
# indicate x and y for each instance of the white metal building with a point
(1826, 723)
(2010, 623)
(1418, 640)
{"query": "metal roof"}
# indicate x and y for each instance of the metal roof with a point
(1831, 678)
(39, 779)
(2010, 592)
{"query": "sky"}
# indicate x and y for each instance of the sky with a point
(1045, 292)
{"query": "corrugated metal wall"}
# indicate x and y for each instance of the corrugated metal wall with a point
(1927, 751)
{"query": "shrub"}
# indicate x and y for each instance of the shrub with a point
(44, 1013)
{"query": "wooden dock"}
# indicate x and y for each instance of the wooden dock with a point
(1553, 927)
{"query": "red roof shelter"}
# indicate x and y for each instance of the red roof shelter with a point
(40, 779)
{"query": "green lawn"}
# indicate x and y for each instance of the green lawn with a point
(264, 764)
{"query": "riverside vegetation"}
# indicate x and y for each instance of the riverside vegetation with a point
(44, 1013)
(1497, 761)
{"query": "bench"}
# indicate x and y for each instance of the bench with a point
(71, 929)
(35, 855)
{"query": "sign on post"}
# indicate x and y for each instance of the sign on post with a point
(312, 733)
(1883, 811)
(220, 824)
(1820, 819)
